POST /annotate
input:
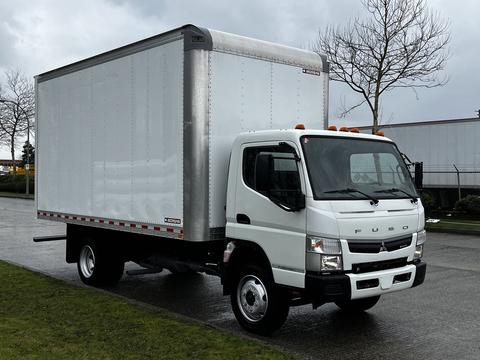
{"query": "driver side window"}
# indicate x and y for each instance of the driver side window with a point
(271, 171)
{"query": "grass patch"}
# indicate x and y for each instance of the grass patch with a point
(45, 318)
(455, 224)
(16, 195)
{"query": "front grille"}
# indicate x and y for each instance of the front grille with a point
(374, 246)
(378, 265)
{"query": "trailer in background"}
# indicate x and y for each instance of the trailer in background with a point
(449, 151)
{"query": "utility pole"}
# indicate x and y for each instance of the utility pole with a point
(27, 165)
(458, 183)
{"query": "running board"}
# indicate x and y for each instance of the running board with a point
(49, 238)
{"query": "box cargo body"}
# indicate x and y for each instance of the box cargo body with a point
(138, 139)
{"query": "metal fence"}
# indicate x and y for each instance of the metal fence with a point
(456, 177)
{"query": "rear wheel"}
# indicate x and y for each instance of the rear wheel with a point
(97, 266)
(358, 305)
(259, 306)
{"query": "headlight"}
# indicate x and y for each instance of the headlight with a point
(330, 251)
(421, 238)
(324, 245)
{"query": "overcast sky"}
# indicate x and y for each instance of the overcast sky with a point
(40, 35)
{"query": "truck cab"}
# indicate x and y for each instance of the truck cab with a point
(318, 216)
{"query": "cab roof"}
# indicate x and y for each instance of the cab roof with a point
(295, 134)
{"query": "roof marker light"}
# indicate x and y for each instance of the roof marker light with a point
(380, 133)
(332, 128)
(344, 129)
(355, 130)
(300, 127)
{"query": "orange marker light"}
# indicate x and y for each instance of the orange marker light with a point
(380, 133)
(332, 128)
(355, 130)
(300, 127)
(344, 129)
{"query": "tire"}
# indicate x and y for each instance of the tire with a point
(358, 305)
(97, 266)
(259, 306)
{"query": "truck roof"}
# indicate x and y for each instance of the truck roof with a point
(201, 38)
(294, 134)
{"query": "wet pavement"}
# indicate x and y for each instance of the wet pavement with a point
(438, 320)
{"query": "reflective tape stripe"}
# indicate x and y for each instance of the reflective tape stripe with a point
(139, 227)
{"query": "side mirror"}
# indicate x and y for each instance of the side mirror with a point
(419, 175)
(300, 201)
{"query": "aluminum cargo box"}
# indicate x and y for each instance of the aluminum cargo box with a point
(138, 138)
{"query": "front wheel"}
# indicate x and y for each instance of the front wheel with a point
(358, 305)
(256, 302)
(97, 266)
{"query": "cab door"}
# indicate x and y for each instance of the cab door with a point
(269, 209)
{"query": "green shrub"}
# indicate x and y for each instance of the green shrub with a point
(15, 185)
(469, 204)
(6, 179)
(428, 201)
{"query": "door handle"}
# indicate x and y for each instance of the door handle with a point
(243, 219)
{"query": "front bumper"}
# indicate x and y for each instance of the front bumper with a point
(341, 287)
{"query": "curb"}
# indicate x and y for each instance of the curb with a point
(14, 196)
(454, 231)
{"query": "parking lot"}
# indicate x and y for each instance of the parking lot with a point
(438, 320)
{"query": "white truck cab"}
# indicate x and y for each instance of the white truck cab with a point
(334, 214)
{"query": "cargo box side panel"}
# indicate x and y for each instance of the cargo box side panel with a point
(253, 94)
(110, 138)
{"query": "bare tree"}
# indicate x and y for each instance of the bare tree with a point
(400, 44)
(17, 108)
(3, 135)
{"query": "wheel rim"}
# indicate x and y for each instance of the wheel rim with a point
(252, 298)
(87, 261)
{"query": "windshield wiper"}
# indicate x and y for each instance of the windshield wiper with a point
(413, 199)
(373, 201)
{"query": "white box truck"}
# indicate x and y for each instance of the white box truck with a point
(180, 152)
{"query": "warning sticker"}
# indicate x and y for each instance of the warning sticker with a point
(311, 72)
(172, 220)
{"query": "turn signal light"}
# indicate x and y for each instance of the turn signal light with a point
(332, 128)
(344, 128)
(300, 127)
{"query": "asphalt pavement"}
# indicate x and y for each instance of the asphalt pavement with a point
(437, 320)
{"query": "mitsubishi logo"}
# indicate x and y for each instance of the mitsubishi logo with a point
(383, 247)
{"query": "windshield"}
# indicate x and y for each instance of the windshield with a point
(337, 166)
